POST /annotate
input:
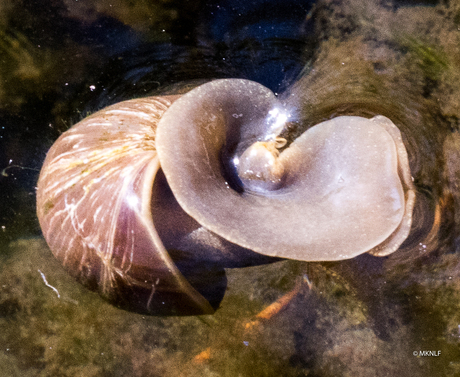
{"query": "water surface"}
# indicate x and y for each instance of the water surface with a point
(362, 317)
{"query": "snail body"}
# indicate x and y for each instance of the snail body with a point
(206, 177)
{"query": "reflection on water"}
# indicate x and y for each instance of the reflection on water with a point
(365, 316)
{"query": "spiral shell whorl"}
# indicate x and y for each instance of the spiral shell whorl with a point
(105, 166)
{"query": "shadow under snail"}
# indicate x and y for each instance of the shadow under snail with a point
(146, 201)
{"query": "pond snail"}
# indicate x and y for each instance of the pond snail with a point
(230, 192)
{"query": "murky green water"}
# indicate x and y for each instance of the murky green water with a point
(363, 317)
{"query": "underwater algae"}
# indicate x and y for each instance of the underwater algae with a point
(56, 327)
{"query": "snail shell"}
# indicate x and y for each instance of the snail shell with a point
(232, 188)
